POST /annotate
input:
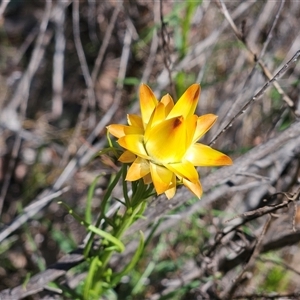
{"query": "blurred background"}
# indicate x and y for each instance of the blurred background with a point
(70, 68)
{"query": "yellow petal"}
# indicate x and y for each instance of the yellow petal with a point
(166, 142)
(138, 169)
(194, 187)
(187, 103)
(185, 170)
(172, 190)
(134, 143)
(162, 178)
(204, 156)
(157, 116)
(135, 121)
(148, 102)
(170, 193)
(204, 123)
(119, 130)
(127, 157)
(191, 124)
(147, 179)
(116, 130)
(168, 102)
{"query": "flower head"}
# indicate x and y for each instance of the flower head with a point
(162, 143)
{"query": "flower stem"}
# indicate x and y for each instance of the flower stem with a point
(101, 278)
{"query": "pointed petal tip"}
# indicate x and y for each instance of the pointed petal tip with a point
(170, 193)
(145, 88)
(194, 187)
(204, 156)
(187, 103)
(148, 102)
(226, 160)
(196, 86)
(223, 160)
(115, 130)
(192, 93)
(195, 90)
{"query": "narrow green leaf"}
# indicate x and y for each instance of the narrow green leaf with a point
(91, 191)
(101, 217)
(108, 237)
(91, 274)
(116, 279)
(74, 214)
(140, 284)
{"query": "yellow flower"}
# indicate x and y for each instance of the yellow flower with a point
(162, 143)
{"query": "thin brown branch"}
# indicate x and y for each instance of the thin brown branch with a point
(84, 67)
(29, 211)
(166, 48)
(43, 39)
(105, 42)
(22, 94)
(84, 153)
(270, 33)
(257, 60)
(254, 214)
(229, 291)
(154, 45)
(258, 94)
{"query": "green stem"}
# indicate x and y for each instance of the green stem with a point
(100, 273)
(104, 257)
(102, 211)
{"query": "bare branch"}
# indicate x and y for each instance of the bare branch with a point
(84, 67)
(22, 94)
(258, 94)
(58, 59)
(3, 7)
(105, 42)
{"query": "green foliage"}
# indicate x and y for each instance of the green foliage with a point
(131, 81)
(7, 244)
(180, 20)
(101, 279)
(276, 278)
(276, 98)
(156, 264)
(65, 242)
